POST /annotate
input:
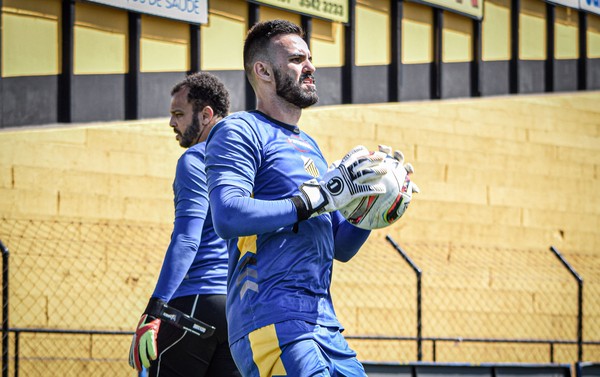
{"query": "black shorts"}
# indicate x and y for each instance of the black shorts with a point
(181, 353)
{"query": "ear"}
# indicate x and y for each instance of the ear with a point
(206, 115)
(262, 71)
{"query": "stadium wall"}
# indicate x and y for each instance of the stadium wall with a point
(78, 61)
(514, 158)
(519, 171)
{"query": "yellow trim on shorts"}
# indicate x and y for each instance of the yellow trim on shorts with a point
(266, 352)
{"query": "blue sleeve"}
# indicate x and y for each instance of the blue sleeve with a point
(348, 239)
(179, 256)
(232, 159)
(191, 208)
(236, 214)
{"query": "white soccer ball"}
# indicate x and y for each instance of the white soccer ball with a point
(380, 211)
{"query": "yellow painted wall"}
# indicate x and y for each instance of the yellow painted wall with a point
(372, 32)
(560, 131)
(457, 38)
(593, 36)
(100, 40)
(532, 30)
(417, 34)
(566, 33)
(164, 45)
(226, 27)
(495, 36)
(30, 38)
(491, 173)
(267, 13)
(327, 43)
(438, 136)
(89, 171)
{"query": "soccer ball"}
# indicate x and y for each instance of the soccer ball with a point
(380, 211)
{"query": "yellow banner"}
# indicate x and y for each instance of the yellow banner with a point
(334, 10)
(471, 8)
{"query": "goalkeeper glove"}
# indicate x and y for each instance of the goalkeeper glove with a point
(143, 345)
(350, 179)
(409, 187)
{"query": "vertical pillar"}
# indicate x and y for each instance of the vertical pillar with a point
(349, 54)
(65, 77)
(550, 38)
(582, 59)
(513, 75)
(395, 70)
(195, 48)
(133, 73)
(476, 62)
(306, 23)
(253, 17)
(436, 65)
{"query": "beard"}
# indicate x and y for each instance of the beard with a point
(191, 134)
(293, 92)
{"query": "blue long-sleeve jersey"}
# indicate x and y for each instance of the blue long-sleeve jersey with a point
(279, 269)
(196, 259)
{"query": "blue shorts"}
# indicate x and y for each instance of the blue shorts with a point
(295, 348)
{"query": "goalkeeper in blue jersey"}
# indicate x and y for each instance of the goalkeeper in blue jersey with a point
(275, 201)
(193, 277)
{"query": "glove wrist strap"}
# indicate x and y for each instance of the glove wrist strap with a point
(154, 307)
(313, 197)
(301, 208)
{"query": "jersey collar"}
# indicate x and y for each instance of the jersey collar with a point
(294, 129)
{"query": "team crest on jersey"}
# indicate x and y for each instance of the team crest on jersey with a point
(310, 167)
(299, 144)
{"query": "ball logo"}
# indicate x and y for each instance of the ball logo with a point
(335, 186)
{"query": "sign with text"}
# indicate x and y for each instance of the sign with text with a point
(590, 5)
(334, 10)
(193, 11)
(471, 8)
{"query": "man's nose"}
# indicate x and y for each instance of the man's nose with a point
(309, 67)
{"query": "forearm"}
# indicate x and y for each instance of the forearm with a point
(179, 256)
(348, 239)
(236, 214)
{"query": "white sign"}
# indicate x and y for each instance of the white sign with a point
(566, 3)
(590, 5)
(193, 11)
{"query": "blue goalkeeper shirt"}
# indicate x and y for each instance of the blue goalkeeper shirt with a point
(279, 269)
(196, 259)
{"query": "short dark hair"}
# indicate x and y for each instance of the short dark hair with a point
(259, 36)
(205, 89)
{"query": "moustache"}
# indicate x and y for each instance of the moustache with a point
(308, 76)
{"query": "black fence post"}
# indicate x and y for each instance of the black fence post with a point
(418, 272)
(579, 301)
(4, 250)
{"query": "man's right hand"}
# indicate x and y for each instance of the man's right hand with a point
(355, 176)
(143, 345)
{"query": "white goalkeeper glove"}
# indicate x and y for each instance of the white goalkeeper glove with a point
(411, 187)
(355, 176)
(143, 348)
